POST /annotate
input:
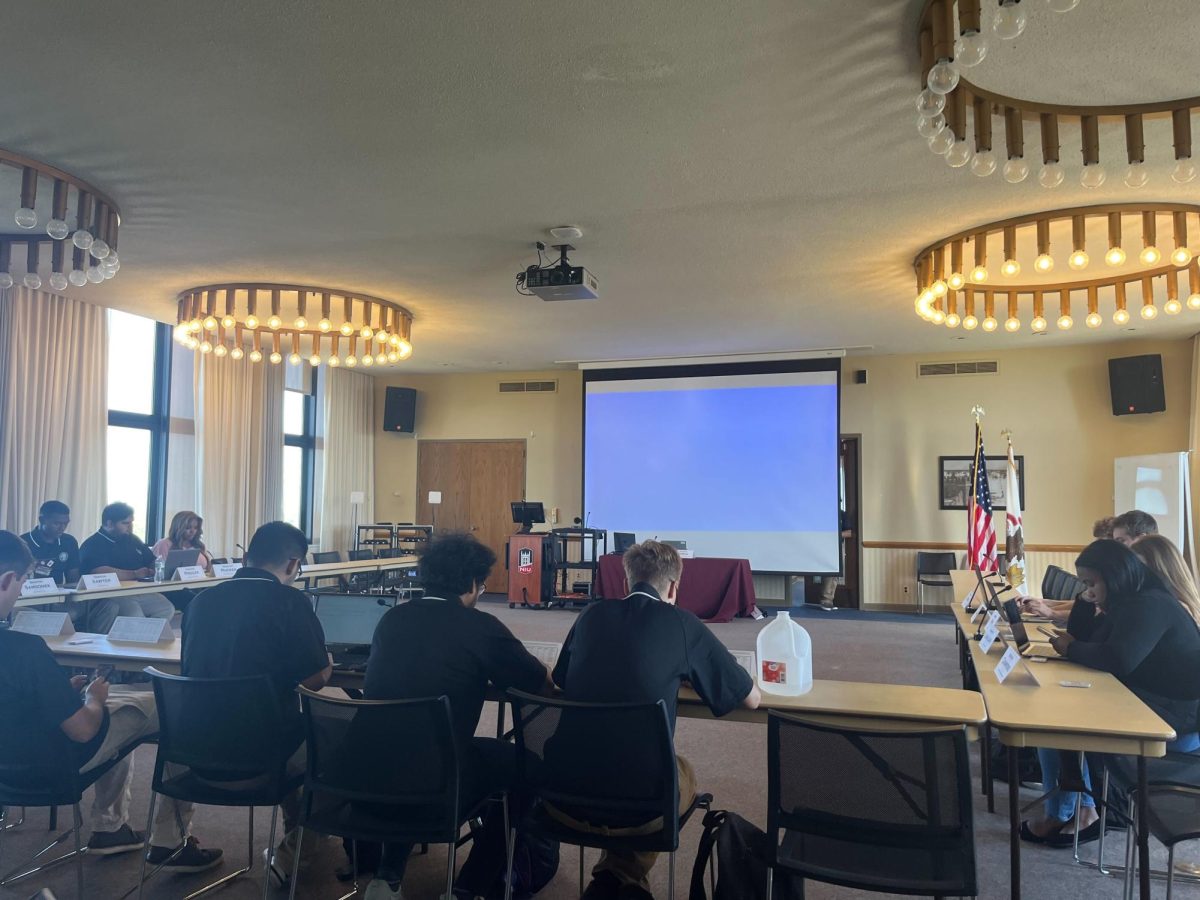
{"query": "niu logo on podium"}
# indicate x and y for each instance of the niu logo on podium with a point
(525, 561)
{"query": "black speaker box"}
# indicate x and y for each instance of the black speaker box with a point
(1136, 385)
(400, 410)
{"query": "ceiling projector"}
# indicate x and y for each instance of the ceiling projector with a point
(561, 281)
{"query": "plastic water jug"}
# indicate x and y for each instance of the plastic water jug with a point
(784, 657)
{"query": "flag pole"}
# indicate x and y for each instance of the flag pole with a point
(978, 412)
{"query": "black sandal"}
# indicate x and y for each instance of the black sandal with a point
(1028, 834)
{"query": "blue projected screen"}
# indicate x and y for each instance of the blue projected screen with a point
(741, 465)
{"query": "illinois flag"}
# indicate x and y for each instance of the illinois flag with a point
(1014, 543)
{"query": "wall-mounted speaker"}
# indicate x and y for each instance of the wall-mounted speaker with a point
(860, 376)
(1136, 385)
(400, 410)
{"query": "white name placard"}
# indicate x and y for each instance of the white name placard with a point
(546, 652)
(190, 573)
(687, 554)
(47, 624)
(990, 633)
(97, 582)
(39, 587)
(1007, 663)
(966, 604)
(747, 660)
(140, 630)
(993, 618)
(975, 615)
(225, 570)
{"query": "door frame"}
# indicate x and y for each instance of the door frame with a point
(856, 547)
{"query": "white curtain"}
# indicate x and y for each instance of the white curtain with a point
(239, 448)
(348, 458)
(53, 407)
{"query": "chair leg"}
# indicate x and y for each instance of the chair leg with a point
(78, 822)
(581, 852)
(1130, 856)
(770, 882)
(1103, 823)
(671, 876)
(295, 864)
(146, 850)
(270, 847)
(510, 841)
(450, 851)
(1078, 813)
(1170, 870)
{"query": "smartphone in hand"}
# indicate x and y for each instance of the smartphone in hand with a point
(102, 672)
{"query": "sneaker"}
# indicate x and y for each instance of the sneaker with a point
(379, 889)
(110, 843)
(191, 859)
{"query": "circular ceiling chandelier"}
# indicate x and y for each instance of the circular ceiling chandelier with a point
(57, 212)
(952, 40)
(958, 265)
(306, 324)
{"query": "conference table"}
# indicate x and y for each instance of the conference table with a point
(1033, 708)
(713, 588)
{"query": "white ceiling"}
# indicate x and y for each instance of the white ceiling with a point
(748, 175)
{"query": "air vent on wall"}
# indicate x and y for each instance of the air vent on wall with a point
(528, 387)
(974, 367)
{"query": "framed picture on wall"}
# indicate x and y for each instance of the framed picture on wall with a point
(955, 478)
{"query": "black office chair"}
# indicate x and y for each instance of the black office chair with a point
(222, 742)
(53, 780)
(933, 570)
(324, 556)
(637, 783)
(385, 771)
(1048, 581)
(360, 582)
(872, 810)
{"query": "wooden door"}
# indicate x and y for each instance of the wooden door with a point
(478, 480)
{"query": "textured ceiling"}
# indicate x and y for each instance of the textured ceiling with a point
(748, 175)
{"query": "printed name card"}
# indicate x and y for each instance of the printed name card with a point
(225, 570)
(545, 652)
(47, 624)
(990, 633)
(139, 630)
(39, 587)
(966, 604)
(1007, 663)
(97, 582)
(978, 610)
(687, 554)
(190, 573)
(746, 659)
(993, 618)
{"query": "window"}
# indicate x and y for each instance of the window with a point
(299, 446)
(138, 394)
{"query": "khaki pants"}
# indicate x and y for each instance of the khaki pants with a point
(629, 867)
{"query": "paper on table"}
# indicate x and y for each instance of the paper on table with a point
(47, 624)
(747, 660)
(545, 652)
(39, 587)
(96, 582)
(139, 630)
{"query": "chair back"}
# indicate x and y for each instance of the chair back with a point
(383, 770)
(214, 731)
(327, 556)
(47, 776)
(390, 553)
(874, 810)
(1048, 579)
(637, 780)
(935, 563)
(363, 553)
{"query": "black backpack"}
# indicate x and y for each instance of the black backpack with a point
(742, 851)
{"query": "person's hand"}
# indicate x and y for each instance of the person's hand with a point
(1035, 606)
(98, 691)
(143, 572)
(1061, 642)
(77, 682)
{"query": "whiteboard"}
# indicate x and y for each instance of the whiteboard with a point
(1157, 484)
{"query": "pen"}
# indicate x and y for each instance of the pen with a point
(77, 643)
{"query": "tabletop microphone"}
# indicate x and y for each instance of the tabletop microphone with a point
(586, 516)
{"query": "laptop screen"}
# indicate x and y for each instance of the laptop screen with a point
(1012, 612)
(349, 621)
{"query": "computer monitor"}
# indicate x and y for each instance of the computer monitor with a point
(623, 540)
(527, 513)
(349, 621)
(678, 545)
(177, 558)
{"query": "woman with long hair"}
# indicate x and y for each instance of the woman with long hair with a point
(1165, 560)
(184, 534)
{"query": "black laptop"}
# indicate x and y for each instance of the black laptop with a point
(1026, 647)
(623, 540)
(349, 625)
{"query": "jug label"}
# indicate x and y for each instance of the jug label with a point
(774, 672)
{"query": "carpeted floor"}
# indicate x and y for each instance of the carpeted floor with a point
(729, 758)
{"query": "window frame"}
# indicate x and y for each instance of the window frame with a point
(307, 442)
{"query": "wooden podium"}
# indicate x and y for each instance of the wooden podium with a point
(530, 572)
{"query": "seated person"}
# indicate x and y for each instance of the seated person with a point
(1102, 529)
(184, 534)
(442, 644)
(44, 716)
(1058, 611)
(640, 649)
(1130, 526)
(258, 624)
(1165, 561)
(115, 548)
(56, 555)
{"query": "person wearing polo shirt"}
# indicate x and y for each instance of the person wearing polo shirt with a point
(258, 624)
(636, 650)
(56, 555)
(115, 548)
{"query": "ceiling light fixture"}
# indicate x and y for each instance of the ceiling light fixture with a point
(1152, 273)
(56, 212)
(226, 315)
(945, 91)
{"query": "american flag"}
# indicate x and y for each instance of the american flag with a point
(981, 531)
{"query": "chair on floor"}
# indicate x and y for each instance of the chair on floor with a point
(222, 742)
(639, 782)
(323, 556)
(872, 810)
(360, 582)
(52, 780)
(385, 771)
(933, 570)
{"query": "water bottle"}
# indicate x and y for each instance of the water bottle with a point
(784, 657)
(160, 570)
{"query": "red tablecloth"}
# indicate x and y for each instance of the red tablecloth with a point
(714, 589)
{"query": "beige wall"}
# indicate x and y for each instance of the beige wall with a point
(468, 407)
(1056, 401)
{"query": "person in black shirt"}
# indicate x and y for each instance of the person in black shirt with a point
(640, 650)
(115, 548)
(43, 716)
(442, 644)
(258, 624)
